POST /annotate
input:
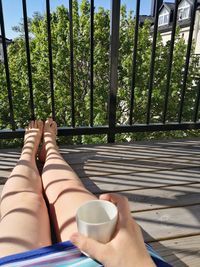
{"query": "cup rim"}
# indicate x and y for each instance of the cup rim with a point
(97, 200)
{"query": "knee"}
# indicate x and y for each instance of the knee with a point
(31, 199)
(62, 188)
(22, 200)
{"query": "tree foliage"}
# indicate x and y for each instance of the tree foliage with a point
(61, 71)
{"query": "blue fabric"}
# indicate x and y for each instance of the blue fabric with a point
(158, 260)
(36, 252)
(38, 256)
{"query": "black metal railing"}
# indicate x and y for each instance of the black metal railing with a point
(112, 128)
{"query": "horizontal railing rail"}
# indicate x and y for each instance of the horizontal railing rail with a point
(112, 128)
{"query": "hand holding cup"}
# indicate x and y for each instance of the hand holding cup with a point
(97, 219)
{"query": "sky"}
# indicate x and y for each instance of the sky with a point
(13, 9)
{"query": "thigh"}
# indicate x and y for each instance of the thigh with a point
(24, 223)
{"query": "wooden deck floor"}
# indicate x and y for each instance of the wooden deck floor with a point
(161, 180)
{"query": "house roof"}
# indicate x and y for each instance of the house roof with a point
(7, 40)
(142, 19)
(192, 2)
(169, 6)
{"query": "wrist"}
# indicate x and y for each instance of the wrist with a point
(140, 262)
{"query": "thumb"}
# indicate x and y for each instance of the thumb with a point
(90, 246)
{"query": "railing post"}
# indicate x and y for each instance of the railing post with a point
(187, 61)
(170, 61)
(91, 62)
(50, 58)
(10, 100)
(114, 45)
(196, 110)
(29, 68)
(134, 67)
(152, 64)
(71, 63)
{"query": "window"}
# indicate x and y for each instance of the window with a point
(184, 11)
(163, 18)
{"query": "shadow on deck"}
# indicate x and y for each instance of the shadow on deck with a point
(161, 180)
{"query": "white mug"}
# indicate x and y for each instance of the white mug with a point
(97, 219)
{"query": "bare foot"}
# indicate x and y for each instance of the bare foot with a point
(32, 138)
(49, 138)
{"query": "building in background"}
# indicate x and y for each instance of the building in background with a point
(165, 20)
(8, 41)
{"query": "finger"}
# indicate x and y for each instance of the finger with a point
(90, 246)
(120, 201)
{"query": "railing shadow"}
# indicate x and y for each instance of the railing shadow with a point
(161, 248)
(182, 163)
(133, 170)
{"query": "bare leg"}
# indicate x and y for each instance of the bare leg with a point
(24, 218)
(64, 190)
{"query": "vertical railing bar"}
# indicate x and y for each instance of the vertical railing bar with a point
(196, 110)
(134, 61)
(152, 64)
(6, 67)
(114, 46)
(169, 69)
(71, 64)
(50, 58)
(28, 59)
(91, 62)
(187, 61)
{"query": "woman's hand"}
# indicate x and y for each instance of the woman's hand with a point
(127, 246)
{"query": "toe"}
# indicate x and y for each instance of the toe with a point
(54, 126)
(50, 120)
(40, 124)
(47, 121)
(46, 124)
(32, 124)
(36, 124)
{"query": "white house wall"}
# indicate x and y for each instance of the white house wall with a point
(183, 3)
(184, 32)
(197, 32)
(163, 11)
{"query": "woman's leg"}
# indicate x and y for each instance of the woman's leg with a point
(24, 221)
(64, 190)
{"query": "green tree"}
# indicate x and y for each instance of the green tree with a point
(61, 70)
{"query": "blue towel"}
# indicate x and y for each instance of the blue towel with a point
(62, 255)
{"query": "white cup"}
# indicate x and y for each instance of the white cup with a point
(97, 219)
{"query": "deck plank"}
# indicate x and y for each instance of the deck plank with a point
(141, 180)
(165, 197)
(161, 180)
(169, 223)
(181, 252)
